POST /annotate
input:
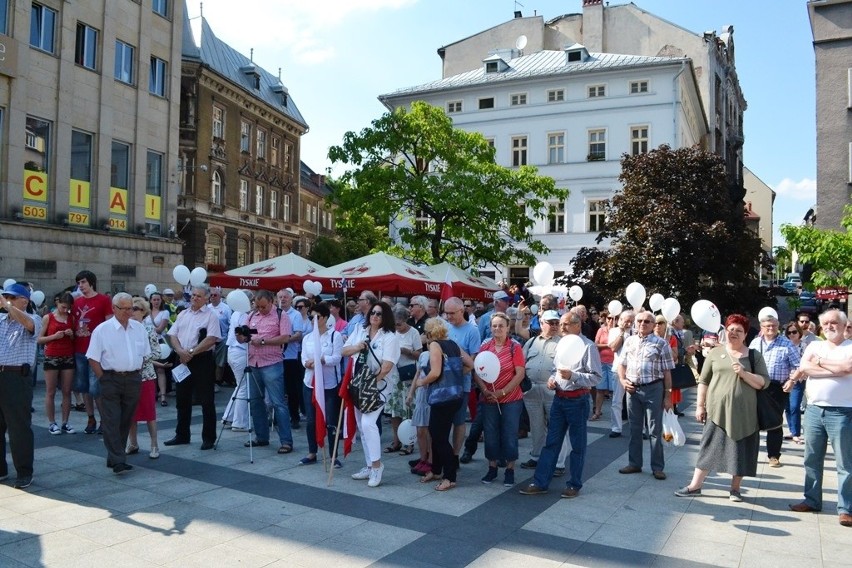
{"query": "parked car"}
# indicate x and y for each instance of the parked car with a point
(808, 302)
(791, 287)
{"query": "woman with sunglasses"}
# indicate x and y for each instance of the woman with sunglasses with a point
(160, 319)
(379, 334)
(795, 387)
(146, 410)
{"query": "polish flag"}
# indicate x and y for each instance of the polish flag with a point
(347, 407)
(447, 288)
(318, 397)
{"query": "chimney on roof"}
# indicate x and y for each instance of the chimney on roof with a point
(593, 26)
(518, 14)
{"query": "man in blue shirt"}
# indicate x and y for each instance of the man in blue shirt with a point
(501, 304)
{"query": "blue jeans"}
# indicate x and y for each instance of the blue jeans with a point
(85, 381)
(824, 424)
(270, 379)
(566, 415)
(500, 424)
(794, 416)
(646, 404)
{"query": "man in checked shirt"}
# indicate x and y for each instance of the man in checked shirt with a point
(644, 370)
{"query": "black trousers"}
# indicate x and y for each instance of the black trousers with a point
(294, 376)
(774, 438)
(440, 422)
(200, 382)
(16, 399)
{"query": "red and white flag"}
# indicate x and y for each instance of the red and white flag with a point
(447, 288)
(347, 407)
(318, 397)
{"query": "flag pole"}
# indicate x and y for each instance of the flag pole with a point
(334, 451)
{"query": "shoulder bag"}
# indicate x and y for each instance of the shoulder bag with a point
(450, 385)
(770, 416)
(364, 387)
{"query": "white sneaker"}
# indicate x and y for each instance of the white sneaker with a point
(67, 429)
(54, 429)
(376, 476)
(365, 473)
(155, 453)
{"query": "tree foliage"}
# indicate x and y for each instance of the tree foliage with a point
(828, 252)
(675, 229)
(470, 210)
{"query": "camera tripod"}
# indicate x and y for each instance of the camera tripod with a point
(246, 380)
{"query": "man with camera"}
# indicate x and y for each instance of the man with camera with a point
(266, 330)
(193, 337)
(18, 332)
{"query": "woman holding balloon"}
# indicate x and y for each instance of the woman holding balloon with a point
(499, 371)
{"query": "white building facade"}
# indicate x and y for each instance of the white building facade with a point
(572, 114)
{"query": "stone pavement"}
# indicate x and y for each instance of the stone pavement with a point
(215, 508)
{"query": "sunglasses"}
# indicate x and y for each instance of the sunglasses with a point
(137, 309)
(660, 323)
(791, 332)
(468, 305)
(805, 322)
(374, 313)
(301, 307)
(645, 321)
(610, 318)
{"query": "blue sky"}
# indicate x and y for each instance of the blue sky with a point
(337, 56)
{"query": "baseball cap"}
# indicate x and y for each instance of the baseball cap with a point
(550, 315)
(17, 290)
(501, 295)
(168, 292)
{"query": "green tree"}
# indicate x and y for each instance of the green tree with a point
(415, 165)
(675, 229)
(783, 260)
(829, 252)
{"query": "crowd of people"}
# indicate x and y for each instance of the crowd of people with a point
(124, 355)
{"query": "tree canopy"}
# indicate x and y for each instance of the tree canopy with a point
(447, 198)
(675, 229)
(828, 252)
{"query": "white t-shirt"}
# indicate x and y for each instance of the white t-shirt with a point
(385, 345)
(409, 340)
(833, 391)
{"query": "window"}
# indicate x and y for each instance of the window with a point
(597, 144)
(161, 7)
(556, 95)
(214, 249)
(518, 99)
(597, 91)
(120, 166)
(37, 153)
(638, 140)
(454, 106)
(154, 174)
(86, 50)
(556, 218)
(288, 153)
(218, 122)
(519, 150)
(81, 156)
(597, 215)
(258, 251)
(258, 199)
(286, 214)
(261, 144)
(245, 137)
(216, 188)
(42, 27)
(422, 221)
(124, 54)
(157, 77)
(486, 103)
(637, 87)
(243, 196)
(242, 252)
(491, 67)
(275, 151)
(4, 17)
(556, 148)
(273, 204)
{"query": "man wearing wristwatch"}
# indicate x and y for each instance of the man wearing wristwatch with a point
(266, 363)
(193, 337)
(644, 370)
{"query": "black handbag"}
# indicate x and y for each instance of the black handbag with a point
(364, 387)
(450, 385)
(407, 372)
(683, 377)
(770, 415)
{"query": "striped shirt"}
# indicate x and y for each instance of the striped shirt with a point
(18, 345)
(781, 356)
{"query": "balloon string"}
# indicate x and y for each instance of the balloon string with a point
(494, 390)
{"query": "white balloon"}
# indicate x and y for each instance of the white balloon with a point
(635, 294)
(197, 276)
(306, 286)
(569, 351)
(615, 307)
(238, 301)
(8, 282)
(317, 288)
(407, 432)
(706, 315)
(165, 350)
(543, 273)
(575, 293)
(150, 289)
(656, 302)
(670, 309)
(181, 274)
(37, 298)
(534, 309)
(767, 311)
(487, 366)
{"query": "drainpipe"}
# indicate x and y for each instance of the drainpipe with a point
(675, 141)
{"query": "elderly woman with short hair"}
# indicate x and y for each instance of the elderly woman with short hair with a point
(146, 410)
(410, 347)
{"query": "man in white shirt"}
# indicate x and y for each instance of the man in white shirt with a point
(115, 354)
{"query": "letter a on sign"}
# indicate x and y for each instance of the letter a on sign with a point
(118, 201)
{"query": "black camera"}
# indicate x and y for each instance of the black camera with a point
(245, 331)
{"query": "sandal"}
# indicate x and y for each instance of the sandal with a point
(131, 450)
(431, 477)
(163, 401)
(285, 449)
(595, 416)
(406, 450)
(393, 448)
(445, 485)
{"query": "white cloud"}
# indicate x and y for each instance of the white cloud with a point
(802, 190)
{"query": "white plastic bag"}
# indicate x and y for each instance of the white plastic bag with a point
(668, 435)
(672, 432)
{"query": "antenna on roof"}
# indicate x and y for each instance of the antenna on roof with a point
(279, 74)
(518, 13)
(251, 55)
(201, 9)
